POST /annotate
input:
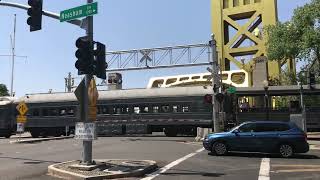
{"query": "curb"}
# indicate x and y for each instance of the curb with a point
(39, 140)
(53, 171)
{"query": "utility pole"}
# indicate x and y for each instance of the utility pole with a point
(215, 82)
(13, 44)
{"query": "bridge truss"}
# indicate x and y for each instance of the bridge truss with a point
(162, 57)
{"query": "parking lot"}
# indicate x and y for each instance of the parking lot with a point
(177, 158)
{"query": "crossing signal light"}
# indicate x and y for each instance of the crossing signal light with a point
(84, 64)
(100, 61)
(312, 80)
(35, 13)
(208, 98)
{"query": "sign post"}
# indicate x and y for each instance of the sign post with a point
(22, 108)
(86, 94)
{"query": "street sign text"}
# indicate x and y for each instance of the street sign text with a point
(78, 12)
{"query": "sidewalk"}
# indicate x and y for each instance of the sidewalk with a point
(313, 136)
(102, 169)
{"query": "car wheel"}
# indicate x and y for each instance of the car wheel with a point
(285, 150)
(7, 136)
(219, 148)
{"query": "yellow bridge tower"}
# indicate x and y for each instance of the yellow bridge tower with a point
(238, 29)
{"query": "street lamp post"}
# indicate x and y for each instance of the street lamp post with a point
(266, 98)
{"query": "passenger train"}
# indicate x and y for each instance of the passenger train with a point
(176, 110)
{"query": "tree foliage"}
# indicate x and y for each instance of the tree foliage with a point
(3, 90)
(298, 38)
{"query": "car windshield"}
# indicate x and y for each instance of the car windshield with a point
(235, 128)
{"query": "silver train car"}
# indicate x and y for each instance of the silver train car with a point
(7, 121)
(178, 110)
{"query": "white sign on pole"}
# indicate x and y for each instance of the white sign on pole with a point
(85, 131)
(20, 127)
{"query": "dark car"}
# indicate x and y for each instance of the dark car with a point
(284, 138)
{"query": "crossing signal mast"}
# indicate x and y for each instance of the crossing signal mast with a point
(35, 13)
(91, 60)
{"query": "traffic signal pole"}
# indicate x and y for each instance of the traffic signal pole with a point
(215, 82)
(87, 144)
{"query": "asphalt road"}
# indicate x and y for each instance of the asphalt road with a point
(178, 158)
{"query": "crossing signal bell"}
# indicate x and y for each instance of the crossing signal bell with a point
(84, 55)
(35, 13)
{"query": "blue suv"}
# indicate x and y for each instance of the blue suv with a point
(284, 138)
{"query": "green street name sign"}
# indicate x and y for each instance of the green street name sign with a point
(78, 12)
(232, 90)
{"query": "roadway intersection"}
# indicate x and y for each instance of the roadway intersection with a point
(177, 158)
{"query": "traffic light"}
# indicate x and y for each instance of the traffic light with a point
(100, 61)
(208, 98)
(35, 13)
(312, 80)
(84, 64)
(219, 97)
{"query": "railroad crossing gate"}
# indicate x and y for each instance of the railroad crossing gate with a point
(238, 28)
(22, 108)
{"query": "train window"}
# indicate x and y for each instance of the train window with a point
(70, 111)
(175, 108)
(53, 112)
(184, 79)
(63, 112)
(103, 110)
(136, 110)
(165, 108)
(155, 109)
(35, 112)
(45, 112)
(125, 110)
(144, 109)
(185, 109)
(117, 110)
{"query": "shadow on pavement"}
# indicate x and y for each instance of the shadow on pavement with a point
(163, 140)
(265, 155)
(193, 173)
(29, 161)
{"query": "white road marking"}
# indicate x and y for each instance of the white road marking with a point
(264, 173)
(169, 166)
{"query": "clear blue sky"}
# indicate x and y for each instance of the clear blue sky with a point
(120, 24)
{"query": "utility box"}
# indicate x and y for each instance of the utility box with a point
(299, 120)
(114, 81)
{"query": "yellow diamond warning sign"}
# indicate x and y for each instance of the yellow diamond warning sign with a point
(22, 108)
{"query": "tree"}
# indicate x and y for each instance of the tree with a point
(3, 90)
(307, 19)
(283, 41)
(297, 39)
